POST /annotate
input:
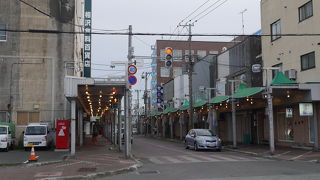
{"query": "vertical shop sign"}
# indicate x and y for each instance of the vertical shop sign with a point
(87, 37)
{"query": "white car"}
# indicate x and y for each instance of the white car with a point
(37, 135)
(6, 139)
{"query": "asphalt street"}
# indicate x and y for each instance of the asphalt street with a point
(170, 160)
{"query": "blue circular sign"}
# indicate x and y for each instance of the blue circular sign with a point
(132, 80)
(132, 69)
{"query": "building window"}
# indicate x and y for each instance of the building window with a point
(305, 11)
(177, 55)
(276, 30)
(24, 118)
(308, 61)
(201, 54)
(3, 34)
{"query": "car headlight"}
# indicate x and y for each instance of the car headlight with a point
(4, 140)
(219, 140)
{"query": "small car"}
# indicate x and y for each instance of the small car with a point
(202, 139)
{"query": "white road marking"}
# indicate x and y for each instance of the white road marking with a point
(191, 159)
(224, 158)
(301, 155)
(156, 160)
(171, 159)
(48, 174)
(206, 158)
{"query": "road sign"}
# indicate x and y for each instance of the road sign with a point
(132, 80)
(153, 74)
(159, 87)
(256, 68)
(159, 100)
(154, 91)
(159, 94)
(132, 69)
(153, 82)
(154, 100)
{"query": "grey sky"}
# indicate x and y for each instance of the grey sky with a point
(161, 16)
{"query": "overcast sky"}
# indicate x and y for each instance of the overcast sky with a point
(162, 16)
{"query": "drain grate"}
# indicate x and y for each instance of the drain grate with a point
(148, 172)
(87, 169)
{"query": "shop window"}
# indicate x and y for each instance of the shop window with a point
(276, 30)
(285, 127)
(308, 61)
(3, 34)
(306, 11)
(24, 118)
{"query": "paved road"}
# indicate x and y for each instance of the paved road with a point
(169, 160)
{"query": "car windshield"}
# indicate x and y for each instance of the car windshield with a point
(35, 130)
(204, 132)
(3, 130)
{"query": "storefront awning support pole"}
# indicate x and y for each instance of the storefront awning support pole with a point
(270, 115)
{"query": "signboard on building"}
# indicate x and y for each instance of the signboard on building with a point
(306, 109)
(87, 37)
(289, 112)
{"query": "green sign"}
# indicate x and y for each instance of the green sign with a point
(87, 37)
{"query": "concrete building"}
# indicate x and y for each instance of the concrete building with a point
(298, 57)
(33, 65)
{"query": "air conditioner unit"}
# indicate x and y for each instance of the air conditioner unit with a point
(291, 74)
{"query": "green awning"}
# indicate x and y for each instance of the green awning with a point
(199, 103)
(174, 110)
(281, 79)
(185, 106)
(241, 93)
(218, 99)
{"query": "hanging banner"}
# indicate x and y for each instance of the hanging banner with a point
(87, 37)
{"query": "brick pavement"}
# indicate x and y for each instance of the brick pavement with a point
(90, 160)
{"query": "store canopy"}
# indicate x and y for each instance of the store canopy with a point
(185, 106)
(281, 79)
(245, 91)
(218, 99)
(199, 102)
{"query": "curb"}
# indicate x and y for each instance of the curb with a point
(36, 164)
(100, 174)
(244, 152)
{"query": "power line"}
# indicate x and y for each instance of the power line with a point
(204, 10)
(41, 31)
(194, 11)
(210, 11)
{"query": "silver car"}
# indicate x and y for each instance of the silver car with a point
(202, 139)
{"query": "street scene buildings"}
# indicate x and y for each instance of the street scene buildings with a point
(252, 93)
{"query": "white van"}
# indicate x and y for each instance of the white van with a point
(36, 134)
(6, 138)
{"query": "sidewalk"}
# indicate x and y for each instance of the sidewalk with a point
(281, 153)
(91, 160)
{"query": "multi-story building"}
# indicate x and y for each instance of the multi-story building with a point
(298, 57)
(33, 65)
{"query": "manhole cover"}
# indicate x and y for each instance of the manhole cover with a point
(87, 169)
(148, 172)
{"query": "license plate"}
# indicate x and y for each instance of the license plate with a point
(29, 144)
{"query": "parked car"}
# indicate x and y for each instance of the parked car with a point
(7, 136)
(37, 134)
(202, 139)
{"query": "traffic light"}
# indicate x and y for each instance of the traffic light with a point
(169, 57)
(115, 101)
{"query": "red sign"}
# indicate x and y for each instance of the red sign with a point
(62, 134)
(132, 69)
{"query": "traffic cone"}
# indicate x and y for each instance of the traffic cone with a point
(33, 156)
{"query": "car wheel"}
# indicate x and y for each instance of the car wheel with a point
(26, 149)
(7, 148)
(196, 147)
(219, 150)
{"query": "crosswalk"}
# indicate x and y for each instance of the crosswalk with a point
(194, 158)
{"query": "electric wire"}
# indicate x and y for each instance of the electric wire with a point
(42, 31)
(204, 10)
(210, 11)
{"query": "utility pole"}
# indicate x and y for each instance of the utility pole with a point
(233, 108)
(138, 109)
(146, 97)
(128, 101)
(191, 120)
